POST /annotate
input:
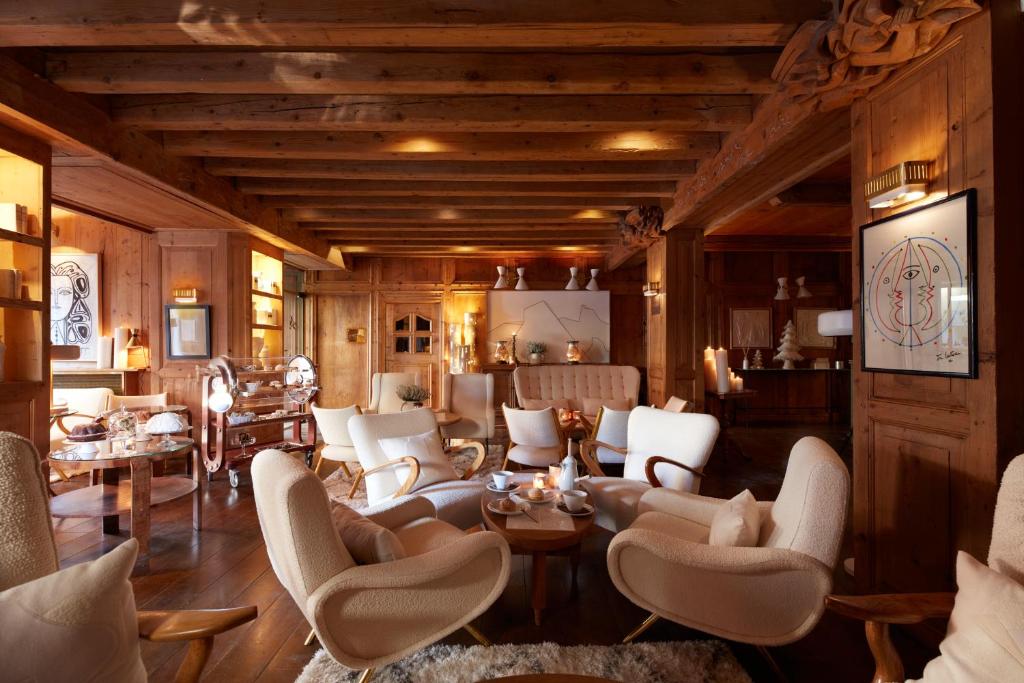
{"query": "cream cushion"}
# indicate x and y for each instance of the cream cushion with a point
(616, 500)
(675, 527)
(541, 404)
(426, 448)
(425, 534)
(457, 501)
(687, 438)
(77, 624)
(575, 383)
(26, 537)
(612, 428)
(736, 522)
(367, 541)
(591, 406)
(471, 396)
(985, 638)
(535, 456)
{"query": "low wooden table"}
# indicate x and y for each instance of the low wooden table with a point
(728, 419)
(538, 542)
(136, 495)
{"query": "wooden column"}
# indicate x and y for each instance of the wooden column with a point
(675, 317)
(929, 451)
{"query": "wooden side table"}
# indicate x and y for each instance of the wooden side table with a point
(538, 543)
(727, 417)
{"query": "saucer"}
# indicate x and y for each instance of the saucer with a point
(588, 509)
(494, 489)
(549, 495)
(493, 507)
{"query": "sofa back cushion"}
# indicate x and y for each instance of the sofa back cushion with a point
(576, 382)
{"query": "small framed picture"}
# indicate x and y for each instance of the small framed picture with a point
(188, 331)
(919, 289)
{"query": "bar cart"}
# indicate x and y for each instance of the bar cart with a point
(252, 404)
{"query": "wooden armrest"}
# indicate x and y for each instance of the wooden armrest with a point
(652, 478)
(163, 626)
(588, 448)
(414, 473)
(481, 455)
(906, 608)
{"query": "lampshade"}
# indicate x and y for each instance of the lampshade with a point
(836, 323)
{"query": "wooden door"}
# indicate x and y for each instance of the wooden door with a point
(411, 335)
(342, 342)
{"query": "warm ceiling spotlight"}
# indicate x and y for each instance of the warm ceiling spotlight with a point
(652, 288)
(591, 214)
(903, 183)
(420, 146)
(447, 214)
(636, 141)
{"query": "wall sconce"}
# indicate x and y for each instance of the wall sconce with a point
(185, 295)
(782, 293)
(802, 292)
(138, 355)
(652, 288)
(903, 183)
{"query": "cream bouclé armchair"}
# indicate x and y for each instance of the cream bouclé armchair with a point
(370, 615)
(769, 594)
(383, 390)
(662, 449)
(457, 499)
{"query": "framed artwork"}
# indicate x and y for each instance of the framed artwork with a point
(75, 302)
(188, 331)
(552, 317)
(919, 290)
(750, 328)
(806, 321)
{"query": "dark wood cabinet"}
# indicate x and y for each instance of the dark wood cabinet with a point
(801, 395)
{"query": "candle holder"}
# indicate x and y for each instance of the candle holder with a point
(539, 480)
(501, 353)
(573, 355)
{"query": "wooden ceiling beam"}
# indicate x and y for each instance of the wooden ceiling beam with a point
(446, 202)
(397, 73)
(450, 188)
(529, 24)
(642, 145)
(813, 194)
(508, 239)
(421, 113)
(41, 109)
(463, 172)
(521, 228)
(469, 251)
(451, 216)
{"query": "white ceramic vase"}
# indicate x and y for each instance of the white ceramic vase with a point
(573, 284)
(592, 285)
(521, 282)
(502, 283)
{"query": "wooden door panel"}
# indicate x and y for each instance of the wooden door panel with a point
(343, 363)
(411, 336)
(945, 392)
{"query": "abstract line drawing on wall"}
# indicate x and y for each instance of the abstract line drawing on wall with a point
(917, 296)
(75, 302)
(552, 317)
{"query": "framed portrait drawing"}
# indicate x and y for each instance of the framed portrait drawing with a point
(750, 328)
(806, 321)
(188, 331)
(75, 302)
(919, 290)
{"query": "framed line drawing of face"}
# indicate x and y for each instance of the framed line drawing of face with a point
(919, 289)
(75, 302)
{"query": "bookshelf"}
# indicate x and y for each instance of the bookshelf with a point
(267, 315)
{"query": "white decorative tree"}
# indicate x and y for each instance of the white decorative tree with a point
(789, 350)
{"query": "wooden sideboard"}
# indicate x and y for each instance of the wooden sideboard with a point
(802, 395)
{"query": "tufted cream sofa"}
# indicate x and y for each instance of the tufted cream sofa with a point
(577, 387)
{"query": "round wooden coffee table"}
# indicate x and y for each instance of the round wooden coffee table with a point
(538, 542)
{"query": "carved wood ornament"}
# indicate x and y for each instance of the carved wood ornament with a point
(840, 59)
(641, 227)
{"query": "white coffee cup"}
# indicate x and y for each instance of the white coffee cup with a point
(574, 500)
(502, 479)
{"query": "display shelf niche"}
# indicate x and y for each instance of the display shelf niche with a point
(267, 314)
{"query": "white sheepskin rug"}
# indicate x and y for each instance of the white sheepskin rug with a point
(706, 661)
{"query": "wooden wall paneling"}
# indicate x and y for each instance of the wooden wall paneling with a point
(938, 109)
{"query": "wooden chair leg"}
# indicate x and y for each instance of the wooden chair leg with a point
(319, 461)
(776, 669)
(479, 637)
(888, 666)
(195, 659)
(310, 638)
(639, 630)
(504, 464)
(365, 676)
(344, 468)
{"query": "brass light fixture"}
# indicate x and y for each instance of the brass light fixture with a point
(903, 183)
(652, 288)
(185, 295)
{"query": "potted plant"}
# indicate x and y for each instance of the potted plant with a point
(412, 394)
(536, 350)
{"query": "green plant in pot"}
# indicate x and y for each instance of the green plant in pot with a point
(536, 350)
(412, 394)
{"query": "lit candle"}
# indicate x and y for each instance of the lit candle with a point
(568, 448)
(739, 384)
(710, 381)
(722, 371)
(538, 480)
(554, 474)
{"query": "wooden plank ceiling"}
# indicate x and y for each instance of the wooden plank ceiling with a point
(428, 127)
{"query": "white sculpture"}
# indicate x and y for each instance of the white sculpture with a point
(573, 284)
(789, 350)
(592, 285)
(521, 284)
(502, 283)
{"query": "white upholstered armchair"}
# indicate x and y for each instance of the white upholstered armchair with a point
(662, 449)
(769, 594)
(333, 426)
(402, 453)
(434, 581)
(534, 437)
(471, 396)
(383, 388)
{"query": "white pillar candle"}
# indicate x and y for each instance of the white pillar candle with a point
(104, 352)
(710, 381)
(568, 447)
(739, 384)
(722, 371)
(121, 337)
(538, 480)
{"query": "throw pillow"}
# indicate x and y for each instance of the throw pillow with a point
(736, 522)
(367, 541)
(985, 638)
(544, 403)
(592, 405)
(77, 624)
(426, 448)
